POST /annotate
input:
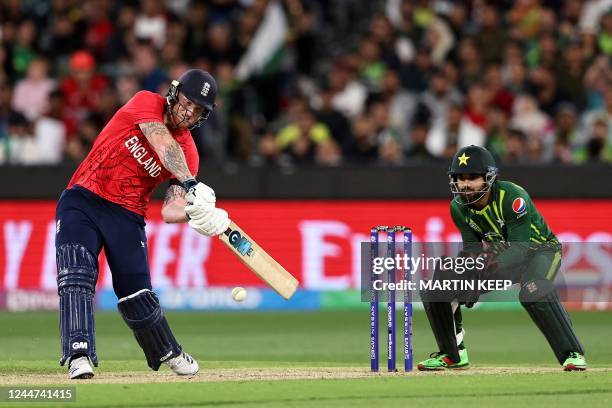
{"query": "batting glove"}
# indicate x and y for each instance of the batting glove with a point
(202, 198)
(209, 223)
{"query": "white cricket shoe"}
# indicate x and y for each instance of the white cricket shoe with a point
(183, 364)
(80, 368)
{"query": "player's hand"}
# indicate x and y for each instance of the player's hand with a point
(202, 197)
(210, 223)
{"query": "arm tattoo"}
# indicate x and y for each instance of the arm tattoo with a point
(173, 192)
(168, 149)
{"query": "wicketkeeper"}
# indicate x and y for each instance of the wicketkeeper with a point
(499, 222)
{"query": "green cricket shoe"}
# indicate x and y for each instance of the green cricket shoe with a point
(574, 362)
(440, 361)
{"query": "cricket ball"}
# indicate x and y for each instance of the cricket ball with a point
(239, 294)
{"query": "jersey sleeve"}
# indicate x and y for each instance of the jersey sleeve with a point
(516, 211)
(467, 234)
(144, 107)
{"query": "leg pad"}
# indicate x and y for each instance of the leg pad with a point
(77, 273)
(540, 300)
(142, 313)
(442, 322)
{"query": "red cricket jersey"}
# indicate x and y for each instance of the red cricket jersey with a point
(122, 167)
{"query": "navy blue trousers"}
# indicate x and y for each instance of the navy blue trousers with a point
(85, 218)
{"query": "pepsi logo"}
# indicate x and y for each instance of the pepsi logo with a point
(519, 205)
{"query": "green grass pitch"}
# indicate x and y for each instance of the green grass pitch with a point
(303, 359)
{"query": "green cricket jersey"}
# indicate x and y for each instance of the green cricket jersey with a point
(509, 217)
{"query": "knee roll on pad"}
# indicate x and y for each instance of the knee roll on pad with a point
(540, 300)
(142, 313)
(76, 266)
(77, 273)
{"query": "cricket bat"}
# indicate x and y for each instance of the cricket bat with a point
(258, 261)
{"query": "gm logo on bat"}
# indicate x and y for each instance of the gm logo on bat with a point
(242, 245)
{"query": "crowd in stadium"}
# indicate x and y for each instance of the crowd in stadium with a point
(312, 81)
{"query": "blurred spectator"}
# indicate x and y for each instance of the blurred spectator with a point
(146, 63)
(220, 44)
(195, 21)
(443, 137)
(415, 75)
(418, 151)
(24, 49)
(492, 35)
(337, 123)
(381, 30)
(604, 38)
(349, 93)
(79, 146)
(604, 115)
(478, 99)
(542, 83)
(363, 147)
(123, 39)
(402, 104)
(21, 146)
(469, 61)
(440, 96)
(151, 24)
(81, 90)
(64, 34)
(31, 94)
(371, 68)
(50, 131)
(496, 132)
(299, 139)
(528, 118)
(596, 80)
(383, 127)
(570, 73)
(5, 112)
(97, 19)
(598, 148)
(328, 154)
(516, 147)
(500, 97)
(525, 16)
(390, 152)
(566, 136)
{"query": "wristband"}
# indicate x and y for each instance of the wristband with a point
(190, 182)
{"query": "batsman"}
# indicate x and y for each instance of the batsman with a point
(499, 222)
(146, 142)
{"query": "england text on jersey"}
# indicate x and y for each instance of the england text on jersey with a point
(143, 157)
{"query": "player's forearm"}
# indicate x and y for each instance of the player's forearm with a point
(168, 150)
(173, 210)
(174, 213)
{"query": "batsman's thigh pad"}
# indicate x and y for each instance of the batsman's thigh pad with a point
(142, 313)
(77, 273)
(540, 300)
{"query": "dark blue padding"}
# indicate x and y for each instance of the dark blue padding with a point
(142, 313)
